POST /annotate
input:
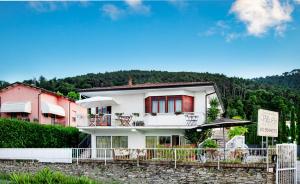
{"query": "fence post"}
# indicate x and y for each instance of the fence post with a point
(267, 159)
(77, 155)
(175, 157)
(218, 162)
(105, 156)
(137, 159)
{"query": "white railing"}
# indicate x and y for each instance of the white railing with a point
(147, 119)
(161, 155)
(176, 155)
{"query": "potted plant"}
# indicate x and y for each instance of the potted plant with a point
(136, 114)
(178, 112)
(153, 113)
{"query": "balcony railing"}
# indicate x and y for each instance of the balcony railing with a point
(176, 155)
(147, 119)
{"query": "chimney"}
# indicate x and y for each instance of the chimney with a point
(129, 81)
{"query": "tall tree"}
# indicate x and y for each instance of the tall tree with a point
(293, 126)
(298, 124)
(283, 129)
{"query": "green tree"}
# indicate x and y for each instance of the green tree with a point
(293, 125)
(234, 131)
(213, 111)
(283, 129)
(298, 125)
(73, 95)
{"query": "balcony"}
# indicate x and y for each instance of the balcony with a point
(144, 120)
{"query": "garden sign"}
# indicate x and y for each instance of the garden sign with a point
(267, 124)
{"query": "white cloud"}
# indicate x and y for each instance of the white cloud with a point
(137, 6)
(263, 15)
(112, 11)
(43, 6)
(50, 6)
(297, 1)
(180, 4)
(223, 29)
(133, 7)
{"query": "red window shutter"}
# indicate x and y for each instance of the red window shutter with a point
(148, 105)
(188, 103)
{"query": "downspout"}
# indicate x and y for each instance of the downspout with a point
(69, 112)
(39, 107)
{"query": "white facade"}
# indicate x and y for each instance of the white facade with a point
(130, 102)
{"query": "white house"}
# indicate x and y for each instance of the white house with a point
(145, 115)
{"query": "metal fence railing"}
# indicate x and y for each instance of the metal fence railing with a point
(177, 155)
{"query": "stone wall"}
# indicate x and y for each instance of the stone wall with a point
(149, 173)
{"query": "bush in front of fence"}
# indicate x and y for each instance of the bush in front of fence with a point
(21, 134)
(47, 176)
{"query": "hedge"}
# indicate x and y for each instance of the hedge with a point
(21, 134)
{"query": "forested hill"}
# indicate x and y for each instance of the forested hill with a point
(287, 79)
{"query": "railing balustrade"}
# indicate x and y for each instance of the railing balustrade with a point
(147, 119)
(178, 155)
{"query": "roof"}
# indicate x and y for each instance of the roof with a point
(224, 122)
(148, 86)
(35, 87)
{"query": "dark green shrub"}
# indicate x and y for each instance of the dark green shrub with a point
(209, 143)
(21, 134)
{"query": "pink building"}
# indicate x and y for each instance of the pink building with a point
(32, 103)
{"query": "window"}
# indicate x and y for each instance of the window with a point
(151, 141)
(154, 106)
(162, 106)
(178, 105)
(171, 105)
(103, 142)
(164, 140)
(119, 142)
(74, 119)
(89, 110)
(46, 115)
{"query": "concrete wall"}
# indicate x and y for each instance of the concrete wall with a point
(52, 155)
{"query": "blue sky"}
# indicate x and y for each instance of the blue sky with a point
(60, 39)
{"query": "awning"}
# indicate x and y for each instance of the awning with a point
(48, 108)
(10, 107)
(97, 101)
(224, 122)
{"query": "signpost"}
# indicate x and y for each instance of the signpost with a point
(267, 125)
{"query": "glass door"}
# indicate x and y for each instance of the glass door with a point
(103, 142)
(175, 140)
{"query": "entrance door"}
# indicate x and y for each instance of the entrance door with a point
(175, 140)
(103, 142)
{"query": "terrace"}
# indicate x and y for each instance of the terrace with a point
(191, 119)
